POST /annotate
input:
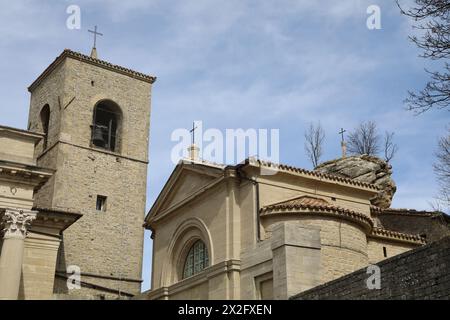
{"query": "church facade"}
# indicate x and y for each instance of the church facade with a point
(236, 232)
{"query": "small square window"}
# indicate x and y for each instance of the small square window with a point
(101, 203)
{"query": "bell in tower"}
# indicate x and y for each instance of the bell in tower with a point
(105, 127)
(97, 136)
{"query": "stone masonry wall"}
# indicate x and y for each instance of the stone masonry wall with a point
(343, 245)
(104, 243)
(433, 225)
(417, 274)
(377, 247)
(108, 244)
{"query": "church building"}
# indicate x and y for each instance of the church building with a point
(73, 200)
(73, 186)
(237, 232)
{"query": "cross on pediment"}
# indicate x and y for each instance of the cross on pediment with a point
(95, 36)
(192, 131)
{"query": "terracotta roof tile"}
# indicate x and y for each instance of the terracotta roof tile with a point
(94, 61)
(384, 233)
(402, 211)
(305, 201)
(311, 205)
(317, 174)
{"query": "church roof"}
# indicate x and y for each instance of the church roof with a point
(203, 163)
(385, 233)
(216, 168)
(312, 205)
(404, 211)
(290, 169)
(433, 225)
(67, 53)
(313, 174)
(302, 201)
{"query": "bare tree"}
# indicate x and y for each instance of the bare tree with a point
(364, 139)
(432, 18)
(314, 138)
(442, 169)
(390, 148)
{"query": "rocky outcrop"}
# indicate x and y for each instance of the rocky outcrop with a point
(367, 169)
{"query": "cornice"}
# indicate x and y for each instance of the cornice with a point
(318, 210)
(33, 175)
(312, 174)
(67, 53)
(394, 235)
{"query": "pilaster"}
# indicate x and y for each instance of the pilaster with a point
(15, 225)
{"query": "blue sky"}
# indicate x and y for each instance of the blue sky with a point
(242, 64)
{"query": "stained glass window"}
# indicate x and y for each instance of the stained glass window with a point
(196, 259)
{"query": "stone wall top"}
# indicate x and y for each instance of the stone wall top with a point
(67, 53)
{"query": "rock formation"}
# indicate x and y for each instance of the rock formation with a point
(367, 169)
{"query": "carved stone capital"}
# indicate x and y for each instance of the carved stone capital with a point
(15, 223)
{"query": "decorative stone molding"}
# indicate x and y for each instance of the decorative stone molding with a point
(186, 234)
(15, 223)
(316, 207)
(311, 174)
(394, 235)
(166, 291)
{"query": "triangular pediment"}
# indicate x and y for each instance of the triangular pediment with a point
(185, 181)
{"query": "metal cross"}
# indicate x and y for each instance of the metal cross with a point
(342, 133)
(95, 35)
(193, 132)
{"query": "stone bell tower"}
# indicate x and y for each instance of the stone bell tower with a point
(96, 117)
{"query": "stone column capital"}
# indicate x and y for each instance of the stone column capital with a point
(15, 222)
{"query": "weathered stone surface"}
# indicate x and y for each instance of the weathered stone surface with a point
(433, 225)
(419, 274)
(107, 246)
(367, 169)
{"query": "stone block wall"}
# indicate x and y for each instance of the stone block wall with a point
(433, 225)
(106, 245)
(38, 268)
(343, 244)
(422, 273)
(378, 247)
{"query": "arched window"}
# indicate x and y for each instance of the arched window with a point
(45, 122)
(196, 259)
(105, 127)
